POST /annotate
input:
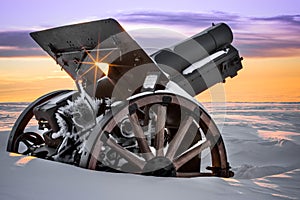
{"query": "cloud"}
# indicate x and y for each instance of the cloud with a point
(273, 36)
(291, 19)
(270, 36)
(18, 43)
(177, 18)
(264, 45)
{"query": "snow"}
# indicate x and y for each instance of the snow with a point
(263, 154)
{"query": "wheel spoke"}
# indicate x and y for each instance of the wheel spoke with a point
(176, 141)
(132, 159)
(27, 144)
(187, 156)
(140, 137)
(159, 130)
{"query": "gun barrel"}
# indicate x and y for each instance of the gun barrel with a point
(192, 53)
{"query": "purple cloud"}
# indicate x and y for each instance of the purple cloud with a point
(282, 44)
(270, 36)
(291, 19)
(18, 43)
(274, 36)
(189, 19)
(254, 37)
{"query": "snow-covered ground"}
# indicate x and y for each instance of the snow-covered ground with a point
(263, 146)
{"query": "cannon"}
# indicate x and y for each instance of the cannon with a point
(131, 112)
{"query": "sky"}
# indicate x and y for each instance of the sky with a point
(266, 34)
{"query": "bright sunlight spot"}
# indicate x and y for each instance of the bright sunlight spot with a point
(103, 66)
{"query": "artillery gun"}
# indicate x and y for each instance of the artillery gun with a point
(132, 112)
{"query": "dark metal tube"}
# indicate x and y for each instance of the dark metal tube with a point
(195, 48)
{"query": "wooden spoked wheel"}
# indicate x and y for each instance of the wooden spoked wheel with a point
(165, 135)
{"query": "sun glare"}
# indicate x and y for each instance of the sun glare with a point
(24, 160)
(96, 62)
(103, 66)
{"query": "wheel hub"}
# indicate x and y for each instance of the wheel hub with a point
(159, 166)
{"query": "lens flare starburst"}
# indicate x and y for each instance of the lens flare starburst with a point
(103, 66)
(96, 62)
